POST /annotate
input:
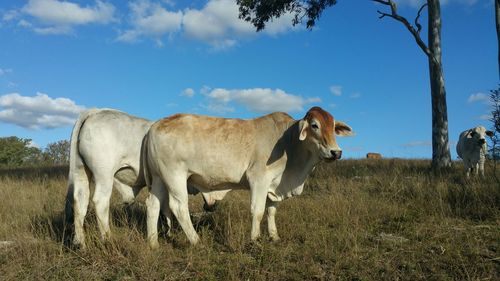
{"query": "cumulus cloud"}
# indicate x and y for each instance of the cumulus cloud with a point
(10, 15)
(40, 111)
(59, 17)
(188, 92)
(355, 95)
(217, 24)
(478, 97)
(4, 71)
(418, 3)
(417, 144)
(257, 100)
(150, 19)
(485, 117)
(336, 90)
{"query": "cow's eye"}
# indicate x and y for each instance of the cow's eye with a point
(315, 126)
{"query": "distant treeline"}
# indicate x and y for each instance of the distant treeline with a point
(18, 152)
(35, 172)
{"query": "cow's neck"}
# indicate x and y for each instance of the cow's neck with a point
(300, 160)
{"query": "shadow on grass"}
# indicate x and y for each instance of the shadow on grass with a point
(53, 226)
(129, 216)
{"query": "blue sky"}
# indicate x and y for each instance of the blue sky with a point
(154, 58)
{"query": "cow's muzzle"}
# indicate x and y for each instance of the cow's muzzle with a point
(334, 155)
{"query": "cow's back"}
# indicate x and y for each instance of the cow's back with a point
(111, 139)
(215, 151)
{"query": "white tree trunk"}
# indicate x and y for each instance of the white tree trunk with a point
(440, 144)
(497, 21)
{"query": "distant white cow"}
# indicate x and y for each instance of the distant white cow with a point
(271, 156)
(471, 147)
(106, 150)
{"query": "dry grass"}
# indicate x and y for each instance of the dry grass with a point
(357, 220)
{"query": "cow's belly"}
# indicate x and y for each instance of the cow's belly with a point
(221, 182)
(126, 176)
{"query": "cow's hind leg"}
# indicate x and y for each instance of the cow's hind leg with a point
(127, 193)
(153, 204)
(178, 202)
(81, 197)
(101, 199)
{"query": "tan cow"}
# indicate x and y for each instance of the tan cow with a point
(373, 155)
(271, 156)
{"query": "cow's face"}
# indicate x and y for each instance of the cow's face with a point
(478, 135)
(318, 129)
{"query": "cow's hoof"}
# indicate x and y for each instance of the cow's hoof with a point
(275, 239)
(154, 245)
(79, 245)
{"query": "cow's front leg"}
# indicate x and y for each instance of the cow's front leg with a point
(271, 223)
(258, 206)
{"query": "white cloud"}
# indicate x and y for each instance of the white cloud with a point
(355, 95)
(417, 144)
(68, 13)
(485, 117)
(150, 20)
(24, 23)
(4, 71)
(10, 15)
(257, 100)
(336, 90)
(40, 111)
(188, 92)
(418, 3)
(59, 17)
(217, 24)
(478, 97)
(52, 30)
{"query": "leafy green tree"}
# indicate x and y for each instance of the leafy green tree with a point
(15, 152)
(57, 153)
(497, 25)
(495, 124)
(259, 12)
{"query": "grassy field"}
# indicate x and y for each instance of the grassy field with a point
(356, 220)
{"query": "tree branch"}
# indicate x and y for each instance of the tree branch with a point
(417, 24)
(415, 32)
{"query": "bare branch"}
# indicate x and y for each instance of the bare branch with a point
(417, 24)
(415, 32)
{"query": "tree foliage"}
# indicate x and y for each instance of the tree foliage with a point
(57, 153)
(19, 152)
(15, 151)
(495, 124)
(260, 12)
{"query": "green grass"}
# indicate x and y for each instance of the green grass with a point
(356, 220)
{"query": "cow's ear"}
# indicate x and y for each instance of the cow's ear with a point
(342, 129)
(472, 133)
(489, 133)
(303, 124)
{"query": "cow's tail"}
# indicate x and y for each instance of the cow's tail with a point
(75, 160)
(144, 159)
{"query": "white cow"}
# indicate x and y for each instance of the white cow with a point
(106, 150)
(271, 156)
(472, 148)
